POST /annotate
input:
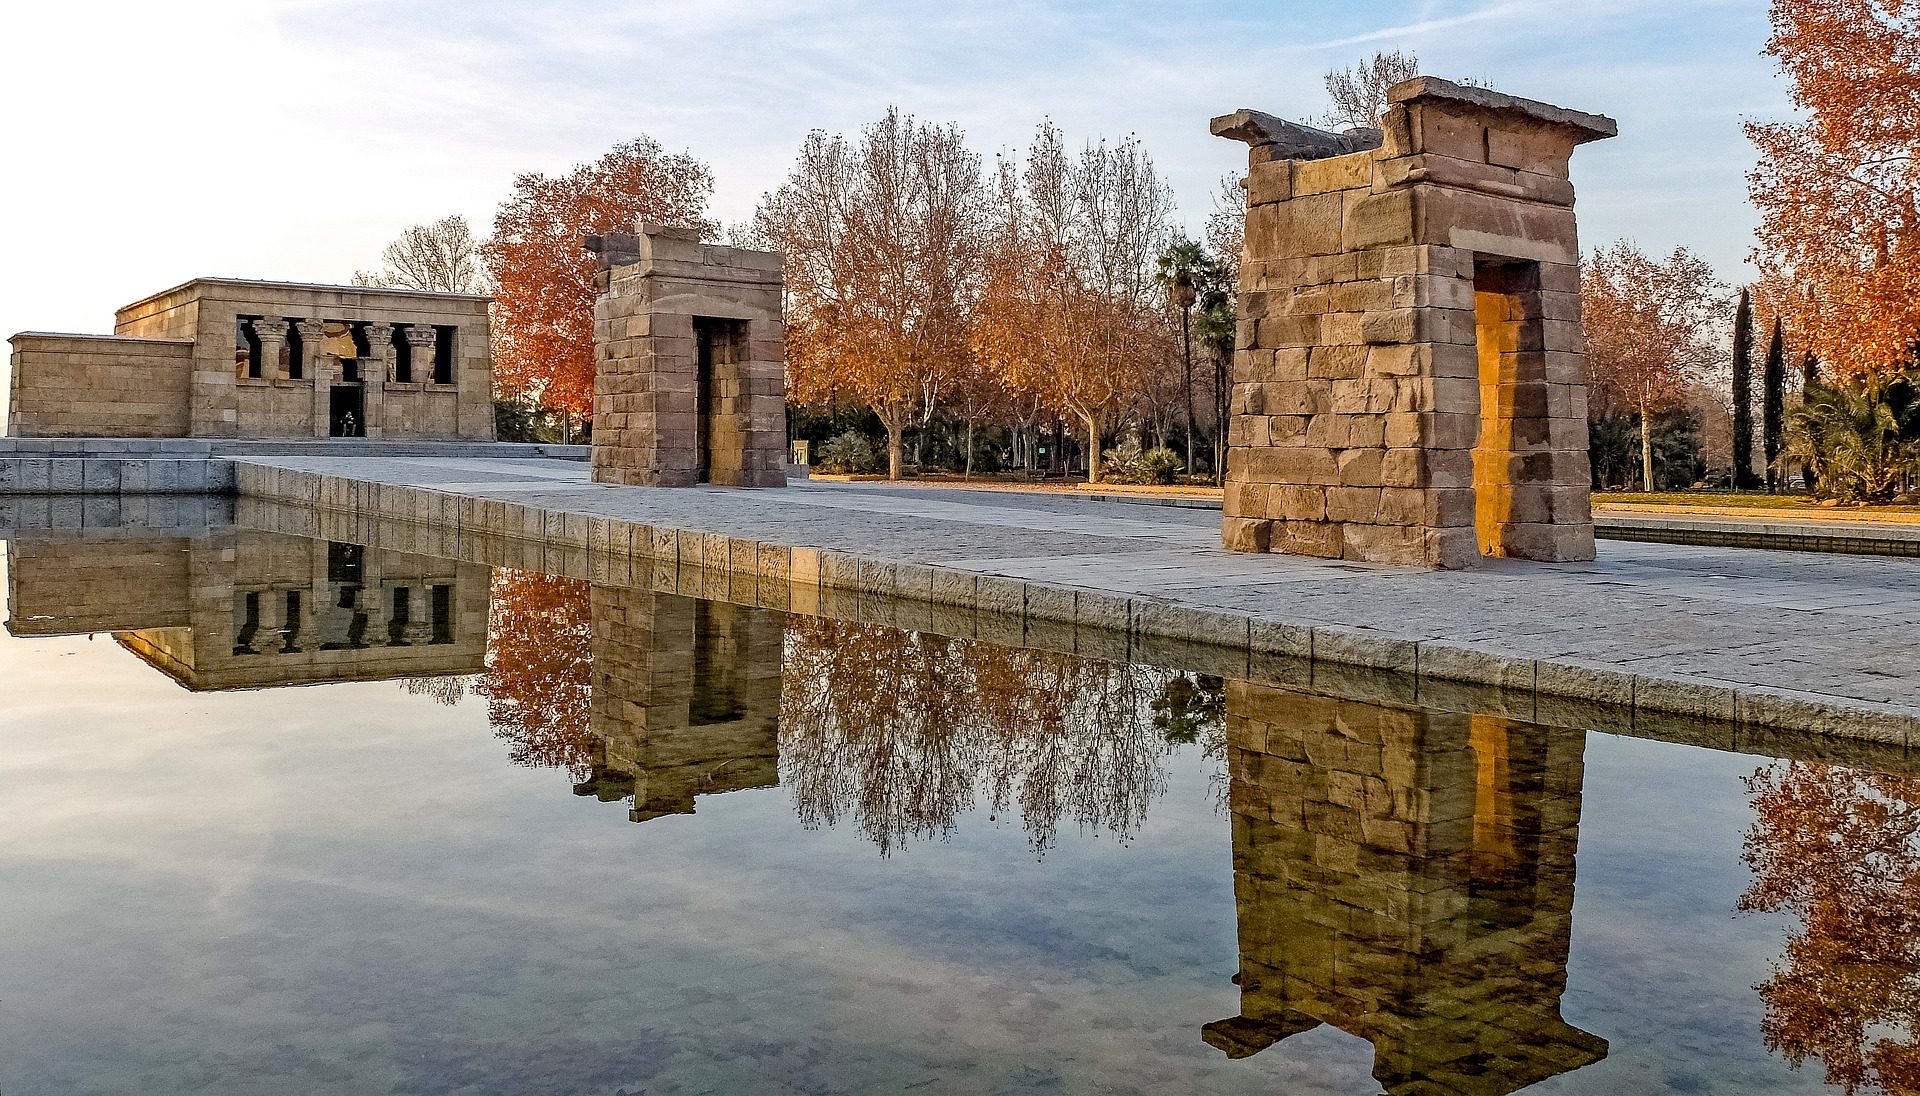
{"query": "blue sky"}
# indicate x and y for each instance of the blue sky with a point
(152, 143)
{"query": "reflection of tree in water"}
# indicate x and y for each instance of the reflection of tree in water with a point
(1840, 849)
(539, 665)
(901, 732)
(441, 690)
(1189, 705)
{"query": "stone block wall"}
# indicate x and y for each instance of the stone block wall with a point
(1406, 877)
(1409, 379)
(72, 386)
(690, 363)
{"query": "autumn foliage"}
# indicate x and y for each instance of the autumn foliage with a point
(1836, 189)
(881, 236)
(1840, 849)
(917, 281)
(539, 675)
(1652, 329)
(543, 279)
(900, 733)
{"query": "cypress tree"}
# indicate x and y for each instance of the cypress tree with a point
(1809, 376)
(1774, 403)
(1743, 477)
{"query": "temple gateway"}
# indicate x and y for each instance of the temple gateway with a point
(232, 358)
(1410, 381)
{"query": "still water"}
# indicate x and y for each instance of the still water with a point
(281, 815)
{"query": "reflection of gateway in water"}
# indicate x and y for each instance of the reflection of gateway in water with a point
(685, 700)
(1406, 877)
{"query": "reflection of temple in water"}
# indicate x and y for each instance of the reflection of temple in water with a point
(685, 699)
(235, 609)
(1406, 877)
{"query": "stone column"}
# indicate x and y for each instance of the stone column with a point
(420, 341)
(272, 333)
(374, 371)
(317, 368)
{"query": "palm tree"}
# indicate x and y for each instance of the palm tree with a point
(1863, 441)
(1183, 265)
(1217, 322)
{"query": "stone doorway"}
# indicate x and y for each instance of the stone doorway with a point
(719, 349)
(347, 411)
(1409, 385)
(689, 383)
(1512, 458)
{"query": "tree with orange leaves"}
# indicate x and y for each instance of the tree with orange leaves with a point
(1071, 308)
(1836, 189)
(881, 235)
(539, 675)
(1840, 848)
(900, 733)
(542, 314)
(1652, 331)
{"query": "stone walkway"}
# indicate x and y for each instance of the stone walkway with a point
(1711, 622)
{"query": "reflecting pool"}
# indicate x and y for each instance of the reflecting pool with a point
(283, 814)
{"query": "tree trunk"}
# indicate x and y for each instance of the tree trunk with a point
(1646, 449)
(1186, 355)
(1222, 395)
(1093, 448)
(967, 472)
(896, 445)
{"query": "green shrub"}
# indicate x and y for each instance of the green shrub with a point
(847, 454)
(1861, 440)
(1128, 463)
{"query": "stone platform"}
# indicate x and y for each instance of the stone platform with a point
(1732, 638)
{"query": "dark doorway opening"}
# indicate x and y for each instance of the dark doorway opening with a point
(719, 348)
(347, 411)
(716, 664)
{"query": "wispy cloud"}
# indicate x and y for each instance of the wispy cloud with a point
(294, 138)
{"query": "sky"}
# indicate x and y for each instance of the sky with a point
(151, 143)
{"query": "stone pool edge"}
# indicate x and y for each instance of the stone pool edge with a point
(1599, 686)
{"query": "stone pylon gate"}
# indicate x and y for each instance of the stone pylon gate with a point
(1410, 380)
(689, 362)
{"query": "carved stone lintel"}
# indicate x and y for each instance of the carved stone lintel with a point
(1286, 140)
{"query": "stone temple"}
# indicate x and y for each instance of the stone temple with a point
(1409, 384)
(689, 362)
(235, 358)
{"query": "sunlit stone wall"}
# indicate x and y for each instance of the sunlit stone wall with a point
(230, 357)
(689, 362)
(1409, 383)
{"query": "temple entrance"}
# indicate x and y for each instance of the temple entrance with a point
(347, 411)
(1512, 460)
(719, 348)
